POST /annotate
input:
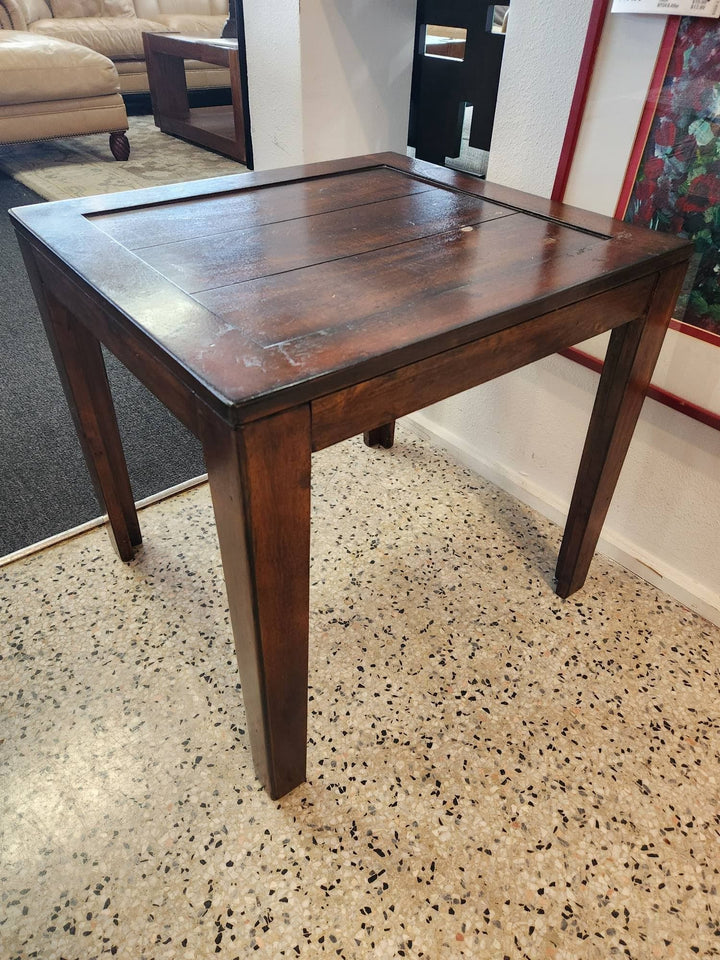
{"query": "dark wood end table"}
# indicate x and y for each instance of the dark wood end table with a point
(278, 313)
(220, 128)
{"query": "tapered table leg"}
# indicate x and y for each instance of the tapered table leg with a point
(383, 436)
(260, 484)
(631, 356)
(81, 367)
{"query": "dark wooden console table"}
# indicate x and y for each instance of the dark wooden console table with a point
(221, 128)
(278, 313)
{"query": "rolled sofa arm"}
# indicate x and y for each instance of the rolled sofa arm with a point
(12, 15)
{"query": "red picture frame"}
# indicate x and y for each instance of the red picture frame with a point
(592, 41)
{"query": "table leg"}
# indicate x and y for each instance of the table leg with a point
(167, 81)
(81, 367)
(260, 484)
(631, 356)
(383, 436)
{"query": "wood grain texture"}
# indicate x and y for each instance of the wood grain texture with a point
(335, 298)
(382, 436)
(362, 308)
(82, 372)
(260, 485)
(631, 357)
(219, 128)
(158, 370)
(247, 252)
(199, 217)
(382, 399)
(167, 82)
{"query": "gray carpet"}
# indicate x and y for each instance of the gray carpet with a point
(44, 486)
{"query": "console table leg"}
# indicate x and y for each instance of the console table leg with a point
(383, 436)
(168, 84)
(260, 484)
(631, 356)
(82, 372)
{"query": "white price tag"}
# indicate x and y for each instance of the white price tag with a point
(683, 8)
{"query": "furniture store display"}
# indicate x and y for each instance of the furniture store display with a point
(221, 128)
(52, 88)
(114, 28)
(276, 314)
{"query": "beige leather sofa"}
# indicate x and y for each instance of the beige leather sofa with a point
(52, 88)
(114, 28)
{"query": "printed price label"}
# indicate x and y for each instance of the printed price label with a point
(683, 8)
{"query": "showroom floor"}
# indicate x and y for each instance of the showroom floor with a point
(492, 771)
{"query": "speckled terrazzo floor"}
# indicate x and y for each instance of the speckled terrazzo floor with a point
(493, 772)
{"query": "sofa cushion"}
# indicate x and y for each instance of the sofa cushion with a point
(152, 9)
(195, 25)
(32, 70)
(35, 10)
(114, 37)
(92, 8)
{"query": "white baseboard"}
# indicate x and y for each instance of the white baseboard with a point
(97, 522)
(612, 544)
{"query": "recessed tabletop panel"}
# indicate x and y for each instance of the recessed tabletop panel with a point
(244, 252)
(260, 287)
(383, 300)
(308, 277)
(206, 216)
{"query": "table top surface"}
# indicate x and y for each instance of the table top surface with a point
(301, 281)
(182, 40)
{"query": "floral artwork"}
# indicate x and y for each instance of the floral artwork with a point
(677, 188)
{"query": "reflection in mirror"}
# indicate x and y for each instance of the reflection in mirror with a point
(235, 28)
(230, 28)
(456, 74)
(445, 41)
(497, 18)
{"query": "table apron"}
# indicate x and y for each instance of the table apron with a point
(382, 399)
(370, 403)
(145, 361)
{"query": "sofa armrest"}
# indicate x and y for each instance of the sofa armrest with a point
(12, 15)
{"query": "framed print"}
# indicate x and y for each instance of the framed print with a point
(673, 179)
(692, 8)
(663, 160)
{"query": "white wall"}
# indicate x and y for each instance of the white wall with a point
(540, 65)
(525, 431)
(357, 66)
(272, 37)
(328, 79)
